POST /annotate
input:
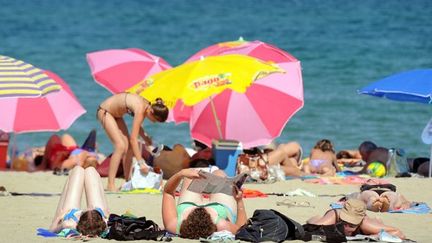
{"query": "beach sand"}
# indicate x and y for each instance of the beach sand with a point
(22, 215)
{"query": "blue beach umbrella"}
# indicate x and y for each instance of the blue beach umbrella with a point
(411, 86)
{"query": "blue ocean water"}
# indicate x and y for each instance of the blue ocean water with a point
(342, 45)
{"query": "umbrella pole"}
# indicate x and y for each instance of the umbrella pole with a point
(216, 118)
(430, 163)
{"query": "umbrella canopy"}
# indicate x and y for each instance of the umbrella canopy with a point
(20, 79)
(119, 69)
(192, 82)
(257, 116)
(53, 112)
(412, 86)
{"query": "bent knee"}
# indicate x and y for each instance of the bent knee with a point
(219, 173)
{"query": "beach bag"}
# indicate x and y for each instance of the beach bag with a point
(127, 228)
(269, 225)
(141, 181)
(254, 165)
(327, 233)
(397, 165)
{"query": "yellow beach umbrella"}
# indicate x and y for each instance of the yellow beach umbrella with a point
(194, 81)
(20, 79)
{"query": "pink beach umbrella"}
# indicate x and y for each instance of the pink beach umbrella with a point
(255, 117)
(119, 69)
(52, 112)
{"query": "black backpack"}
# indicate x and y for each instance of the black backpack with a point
(333, 233)
(127, 228)
(269, 225)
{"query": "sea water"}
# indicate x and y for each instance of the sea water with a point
(342, 46)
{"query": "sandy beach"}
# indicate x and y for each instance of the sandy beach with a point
(22, 215)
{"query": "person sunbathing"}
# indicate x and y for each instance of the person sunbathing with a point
(380, 197)
(68, 215)
(349, 158)
(194, 217)
(354, 220)
(57, 149)
(322, 159)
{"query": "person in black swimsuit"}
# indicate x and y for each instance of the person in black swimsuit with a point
(110, 114)
(355, 221)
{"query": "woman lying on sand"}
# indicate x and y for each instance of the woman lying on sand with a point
(380, 197)
(194, 217)
(322, 159)
(355, 221)
(91, 222)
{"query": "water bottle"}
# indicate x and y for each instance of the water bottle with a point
(391, 163)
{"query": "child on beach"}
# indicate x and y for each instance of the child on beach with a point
(354, 220)
(194, 217)
(68, 215)
(110, 114)
(322, 159)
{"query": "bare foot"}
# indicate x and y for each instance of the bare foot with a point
(111, 188)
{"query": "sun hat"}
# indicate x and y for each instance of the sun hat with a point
(353, 211)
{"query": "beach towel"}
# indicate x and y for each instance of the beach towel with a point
(251, 193)
(137, 191)
(344, 179)
(416, 208)
(66, 233)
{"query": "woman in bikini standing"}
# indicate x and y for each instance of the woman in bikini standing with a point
(110, 113)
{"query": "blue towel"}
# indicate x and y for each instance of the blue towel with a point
(336, 205)
(64, 233)
(346, 173)
(305, 177)
(416, 208)
(46, 233)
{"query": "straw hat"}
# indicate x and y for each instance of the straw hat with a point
(353, 211)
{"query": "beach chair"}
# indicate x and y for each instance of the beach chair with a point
(225, 153)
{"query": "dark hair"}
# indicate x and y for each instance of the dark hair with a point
(91, 223)
(198, 224)
(324, 145)
(199, 145)
(38, 159)
(160, 111)
(200, 163)
(366, 148)
(343, 154)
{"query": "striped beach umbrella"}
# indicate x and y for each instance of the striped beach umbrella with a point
(21, 79)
